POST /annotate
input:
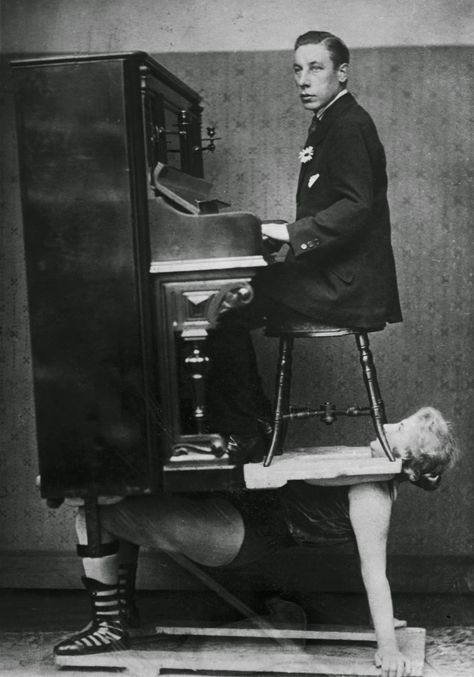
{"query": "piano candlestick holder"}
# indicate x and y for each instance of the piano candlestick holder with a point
(181, 129)
(212, 138)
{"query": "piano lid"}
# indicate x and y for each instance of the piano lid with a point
(188, 192)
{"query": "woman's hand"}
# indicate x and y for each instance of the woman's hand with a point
(392, 663)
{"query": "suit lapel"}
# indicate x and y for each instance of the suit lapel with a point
(300, 178)
(332, 113)
(315, 139)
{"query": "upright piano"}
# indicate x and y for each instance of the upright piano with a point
(125, 247)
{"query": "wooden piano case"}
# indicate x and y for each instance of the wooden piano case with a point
(117, 282)
(90, 131)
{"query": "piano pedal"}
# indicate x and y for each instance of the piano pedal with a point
(207, 445)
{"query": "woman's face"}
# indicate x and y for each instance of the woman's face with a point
(401, 436)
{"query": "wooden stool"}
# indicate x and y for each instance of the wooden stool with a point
(299, 326)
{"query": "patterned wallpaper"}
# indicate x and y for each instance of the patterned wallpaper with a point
(421, 101)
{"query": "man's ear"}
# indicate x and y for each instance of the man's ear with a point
(343, 73)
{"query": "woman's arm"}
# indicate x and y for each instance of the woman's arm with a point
(369, 508)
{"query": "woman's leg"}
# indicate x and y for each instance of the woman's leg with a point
(119, 567)
(127, 575)
(208, 529)
(105, 632)
(105, 568)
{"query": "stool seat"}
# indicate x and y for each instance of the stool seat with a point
(301, 326)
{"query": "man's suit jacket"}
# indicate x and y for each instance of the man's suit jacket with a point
(340, 268)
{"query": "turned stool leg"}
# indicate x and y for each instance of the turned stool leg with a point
(282, 399)
(375, 399)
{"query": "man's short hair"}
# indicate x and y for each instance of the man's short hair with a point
(337, 49)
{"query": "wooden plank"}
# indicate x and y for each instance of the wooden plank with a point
(323, 463)
(315, 632)
(223, 655)
(333, 451)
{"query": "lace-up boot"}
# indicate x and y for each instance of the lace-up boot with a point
(128, 609)
(105, 632)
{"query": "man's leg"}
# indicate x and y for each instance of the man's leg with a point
(236, 403)
(235, 392)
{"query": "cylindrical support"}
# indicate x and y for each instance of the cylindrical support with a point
(197, 364)
(282, 398)
(373, 391)
(94, 540)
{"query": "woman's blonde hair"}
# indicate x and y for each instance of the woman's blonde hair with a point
(433, 451)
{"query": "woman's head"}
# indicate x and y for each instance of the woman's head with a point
(425, 444)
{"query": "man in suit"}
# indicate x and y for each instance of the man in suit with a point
(339, 269)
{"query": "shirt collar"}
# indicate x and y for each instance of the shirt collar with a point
(321, 111)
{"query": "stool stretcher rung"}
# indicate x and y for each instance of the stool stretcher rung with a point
(298, 413)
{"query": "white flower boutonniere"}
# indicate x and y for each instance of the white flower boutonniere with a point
(306, 154)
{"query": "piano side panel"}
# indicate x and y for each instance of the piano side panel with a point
(82, 253)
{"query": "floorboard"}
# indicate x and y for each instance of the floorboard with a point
(250, 656)
(32, 622)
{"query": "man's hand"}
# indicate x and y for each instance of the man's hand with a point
(276, 230)
(392, 663)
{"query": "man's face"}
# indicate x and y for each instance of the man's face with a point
(317, 79)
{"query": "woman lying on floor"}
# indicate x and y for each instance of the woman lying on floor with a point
(234, 529)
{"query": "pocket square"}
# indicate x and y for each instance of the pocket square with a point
(312, 180)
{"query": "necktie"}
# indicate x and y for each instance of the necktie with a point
(314, 125)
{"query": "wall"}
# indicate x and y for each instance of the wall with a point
(419, 98)
(228, 25)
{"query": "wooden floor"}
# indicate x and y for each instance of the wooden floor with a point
(249, 656)
(32, 622)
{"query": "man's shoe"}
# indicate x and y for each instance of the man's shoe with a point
(243, 448)
(230, 296)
